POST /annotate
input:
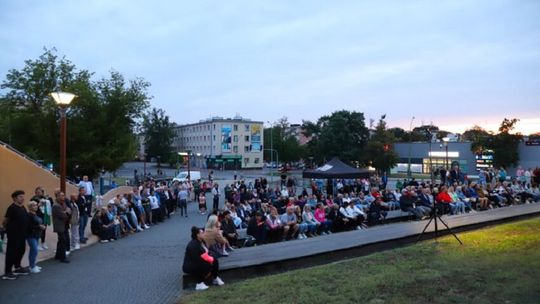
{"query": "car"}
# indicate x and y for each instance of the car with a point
(182, 176)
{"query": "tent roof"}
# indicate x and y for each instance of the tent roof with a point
(335, 168)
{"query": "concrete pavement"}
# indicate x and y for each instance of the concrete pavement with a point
(145, 268)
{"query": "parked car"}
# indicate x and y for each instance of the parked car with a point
(182, 176)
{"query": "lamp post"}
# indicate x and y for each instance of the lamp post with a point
(409, 173)
(445, 144)
(430, 158)
(271, 154)
(63, 99)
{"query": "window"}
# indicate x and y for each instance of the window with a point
(214, 127)
(235, 138)
(246, 128)
(256, 161)
(214, 137)
(246, 148)
(235, 127)
(246, 138)
(246, 160)
(235, 149)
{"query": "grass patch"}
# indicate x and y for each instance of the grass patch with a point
(495, 265)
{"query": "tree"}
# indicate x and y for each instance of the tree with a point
(283, 141)
(505, 145)
(158, 135)
(379, 152)
(101, 120)
(478, 137)
(342, 134)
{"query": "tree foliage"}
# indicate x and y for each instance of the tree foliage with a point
(158, 135)
(280, 138)
(342, 134)
(504, 145)
(101, 120)
(379, 150)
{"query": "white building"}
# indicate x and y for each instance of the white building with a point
(229, 143)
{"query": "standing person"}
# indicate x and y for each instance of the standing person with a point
(35, 226)
(61, 214)
(44, 212)
(199, 263)
(85, 208)
(16, 226)
(217, 194)
(182, 200)
(74, 225)
(88, 190)
(202, 203)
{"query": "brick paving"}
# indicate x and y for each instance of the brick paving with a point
(143, 268)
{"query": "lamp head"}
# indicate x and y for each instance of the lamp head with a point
(63, 99)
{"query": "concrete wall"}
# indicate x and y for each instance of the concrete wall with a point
(20, 173)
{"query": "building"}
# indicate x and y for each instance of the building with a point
(223, 143)
(459, 153)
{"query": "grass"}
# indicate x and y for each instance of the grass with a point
(495, 265)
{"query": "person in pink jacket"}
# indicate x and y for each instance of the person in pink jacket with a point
(320, 216)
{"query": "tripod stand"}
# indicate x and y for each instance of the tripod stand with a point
(434, 217)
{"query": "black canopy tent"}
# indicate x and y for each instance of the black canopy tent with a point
(335, 168)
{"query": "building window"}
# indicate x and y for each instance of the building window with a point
(214, 127)
(246, 148)
(235, 138)
(235, 149)
(246, 128)
(235, 127)
(246, 138)
(214, 137)
(246, 160)
(256, 161)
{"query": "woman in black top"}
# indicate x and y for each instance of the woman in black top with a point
(198, 263)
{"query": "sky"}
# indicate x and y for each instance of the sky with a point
(451, 63)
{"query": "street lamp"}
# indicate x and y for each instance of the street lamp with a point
(63, 99)
(271, 153)
(445, 144)
(409, 173)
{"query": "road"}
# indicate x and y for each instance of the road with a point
(142, 268)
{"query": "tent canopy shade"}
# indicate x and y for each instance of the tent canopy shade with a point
(335, 168)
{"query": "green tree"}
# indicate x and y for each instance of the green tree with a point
(283, 141)
(379, 150)
(158, 135)
(505, 145)
(342, 134)
(101, 120)
(479, 138)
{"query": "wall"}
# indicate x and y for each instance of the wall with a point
(20, 173)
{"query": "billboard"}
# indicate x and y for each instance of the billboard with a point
(226, 138)
(256, 131)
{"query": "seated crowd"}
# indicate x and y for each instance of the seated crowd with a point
(272, 215)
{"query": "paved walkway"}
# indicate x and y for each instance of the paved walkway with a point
(142, 268)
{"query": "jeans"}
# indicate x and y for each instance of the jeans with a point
(74, 240)
(302, 228)
(32, 255)
(83, 221)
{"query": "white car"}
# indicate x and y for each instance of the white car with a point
(182, 176)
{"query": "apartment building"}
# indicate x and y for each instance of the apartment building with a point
(228, 143)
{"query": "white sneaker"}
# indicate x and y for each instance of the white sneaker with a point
(39, 267)
(40, 248)
(67, 253)
(104, 241)
(146, 226)
(44, 246)
(218, 281)
(77, 246)
(201, 286)
(35, 270)
(358, 228)
(299, 236)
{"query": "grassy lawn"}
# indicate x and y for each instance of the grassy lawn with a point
(495, 265)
